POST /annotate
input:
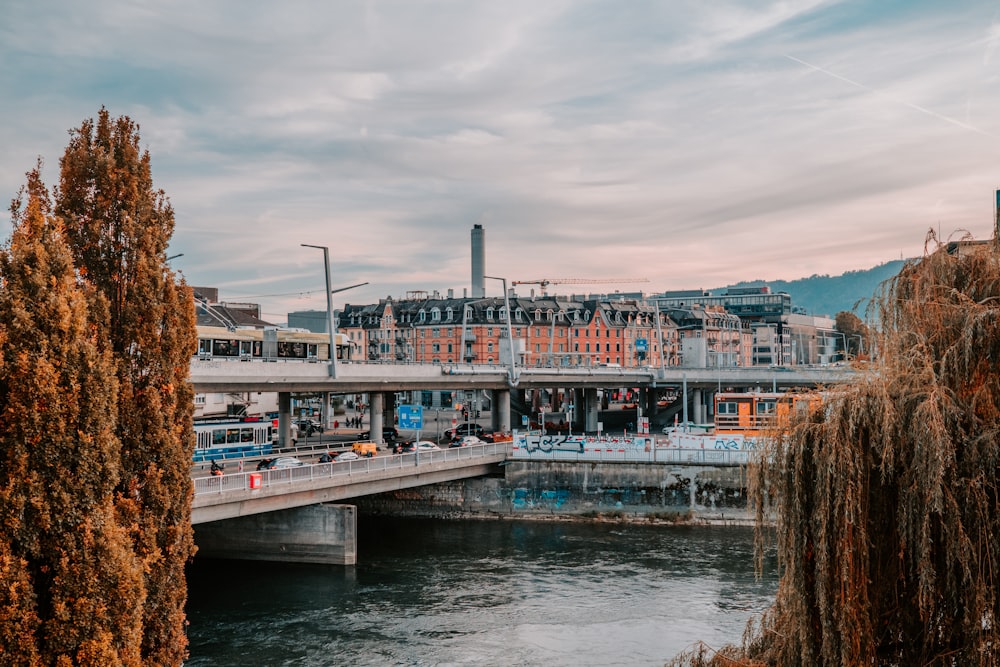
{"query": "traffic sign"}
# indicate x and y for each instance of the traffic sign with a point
(641, 345)
(411, 417)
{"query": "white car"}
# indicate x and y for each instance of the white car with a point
(346, 456)
(466, 441)
(421, 446)
(285, 462)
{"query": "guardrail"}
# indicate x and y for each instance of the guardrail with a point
(262, 479)
(674, 455)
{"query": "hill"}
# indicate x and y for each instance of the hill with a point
(828, 295)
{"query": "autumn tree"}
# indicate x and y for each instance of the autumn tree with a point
(71, 588)
(119, 226)
(887, 496)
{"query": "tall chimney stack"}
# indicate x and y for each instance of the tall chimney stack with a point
(478, 262)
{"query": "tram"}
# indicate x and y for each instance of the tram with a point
(270, 344)
(232, 439)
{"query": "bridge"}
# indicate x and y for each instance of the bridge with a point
(294, 514)
(224, 375)
(381, 380)
(243, 494)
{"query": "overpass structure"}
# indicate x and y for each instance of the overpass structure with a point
(296, 514)
(360, 377)
(382, 380)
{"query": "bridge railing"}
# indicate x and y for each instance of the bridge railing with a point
(262, 479)
(672, 455)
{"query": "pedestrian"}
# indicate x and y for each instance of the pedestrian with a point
(336, 424)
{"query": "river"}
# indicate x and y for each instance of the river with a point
(491, 593)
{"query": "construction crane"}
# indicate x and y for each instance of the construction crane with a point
(545, 282)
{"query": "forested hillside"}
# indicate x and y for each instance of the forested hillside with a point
(828, 295)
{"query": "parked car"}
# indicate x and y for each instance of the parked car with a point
(420, 446)
(465, 428)
(284, 462)
(389, 434)
(465, 441)
(346, 456)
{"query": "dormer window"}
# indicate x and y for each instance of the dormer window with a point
(422, 316)
(489, 314)
(435, 314)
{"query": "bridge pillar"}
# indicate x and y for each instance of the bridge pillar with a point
(500, 405)
(284, 419)
(590, 411)
(323, 533)
(579, 410)
(375, 417)
(650, 406)
(699, 407)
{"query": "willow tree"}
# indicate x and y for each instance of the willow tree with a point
(887, 498)
(71, 588)
(119, 227)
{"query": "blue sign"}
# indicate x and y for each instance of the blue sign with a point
(641, 345)
(524, 420)
(411, 417)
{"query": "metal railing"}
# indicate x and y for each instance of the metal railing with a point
(309, 472)
(672, 455)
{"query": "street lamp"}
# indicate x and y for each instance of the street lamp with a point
(861, 343)
(844, 337)
(329, 307)
(512, 380)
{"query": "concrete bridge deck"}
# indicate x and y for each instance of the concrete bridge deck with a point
(358, 377)
(247, 493)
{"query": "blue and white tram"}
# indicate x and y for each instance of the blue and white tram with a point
(232, 439)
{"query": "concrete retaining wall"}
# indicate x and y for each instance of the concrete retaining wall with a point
(532, 488)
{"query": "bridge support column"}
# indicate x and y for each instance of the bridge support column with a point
(375, 417)
(500, 415)
(284, 419)
(699, 407)
(312, 534)
(579, 410)
(590, 410)
(650, 406)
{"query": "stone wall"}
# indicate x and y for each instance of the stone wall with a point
(534, 488)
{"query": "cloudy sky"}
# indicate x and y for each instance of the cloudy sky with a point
(690, 143)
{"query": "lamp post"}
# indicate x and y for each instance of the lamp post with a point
(861, 343)
(329, 308)
(512, 380)
(844, 337)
